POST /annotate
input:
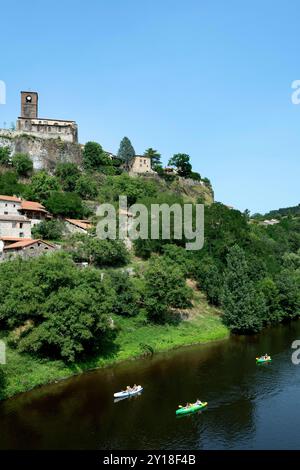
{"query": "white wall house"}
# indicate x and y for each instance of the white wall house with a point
(139, 165)
(10, 205)
(34, 211)
(16, 226)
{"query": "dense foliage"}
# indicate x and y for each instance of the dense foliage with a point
(94, 156)
(48, 230)
(165, 290)
(251, 271)
(87, 249)
(53, 308)
(155, 158)
(22, 163)
(65, 205)
(4, 155)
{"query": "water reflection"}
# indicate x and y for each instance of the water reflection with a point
(244, 402)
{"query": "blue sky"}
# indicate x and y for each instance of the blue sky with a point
(208, 78)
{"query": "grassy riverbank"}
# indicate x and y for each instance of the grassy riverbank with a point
(135, 338)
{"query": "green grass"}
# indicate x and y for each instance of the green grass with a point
(135, 337)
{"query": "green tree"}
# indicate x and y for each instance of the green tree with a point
(4, 155)
(94, 156)
(243, 305)
(210, 279)
(65, 204)
(127, 296)
(68, 175)
(155, 157)
(9, 184)
(64, 311)
(182, 162)
(288, 284)
(134, 188)
(165, 290)
(48, 230)
(76, 320)
(126, 151)
(84, 248)
(195, 176)
(41, 186)
(22, 164)
(270, 291)
(86, 187)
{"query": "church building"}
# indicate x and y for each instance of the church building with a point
(30, 123)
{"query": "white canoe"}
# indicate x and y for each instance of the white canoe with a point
(128, 394)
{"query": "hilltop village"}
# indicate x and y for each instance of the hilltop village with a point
(49, 148)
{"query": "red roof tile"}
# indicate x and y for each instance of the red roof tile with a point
(26, 242)
(84, 224)
(10, 198)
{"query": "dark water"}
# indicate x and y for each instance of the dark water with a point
(250, 406)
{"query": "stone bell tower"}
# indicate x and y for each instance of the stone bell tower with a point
(29, 104)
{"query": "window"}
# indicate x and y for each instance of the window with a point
(5, 213)
(21, 224)
(21, 234)
(6, 204)
(14, 224)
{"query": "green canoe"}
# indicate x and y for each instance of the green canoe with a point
(261, 360)
(190, 409)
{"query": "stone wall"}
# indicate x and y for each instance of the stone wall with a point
(45, 153)
(18, 228)
(30, 251)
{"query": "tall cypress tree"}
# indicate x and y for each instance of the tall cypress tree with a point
(244, 307)
(126, 150)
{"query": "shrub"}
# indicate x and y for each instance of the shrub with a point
(94, 156)
(84, 248)
(41, 186)
(165, 289)
(86, 187)
(127, 296)
(48, 230)
(68, 175)
(68, 308)
(9, 184)
(22, 164)
(65, 204)
(4, 155)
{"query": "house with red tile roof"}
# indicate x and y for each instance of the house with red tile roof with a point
(34, 211)
(27, 249)
(77, 225)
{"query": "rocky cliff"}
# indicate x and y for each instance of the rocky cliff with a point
(45, 153)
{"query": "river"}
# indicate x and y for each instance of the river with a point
(249, 406)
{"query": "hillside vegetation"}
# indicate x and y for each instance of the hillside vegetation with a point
(58, 319)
